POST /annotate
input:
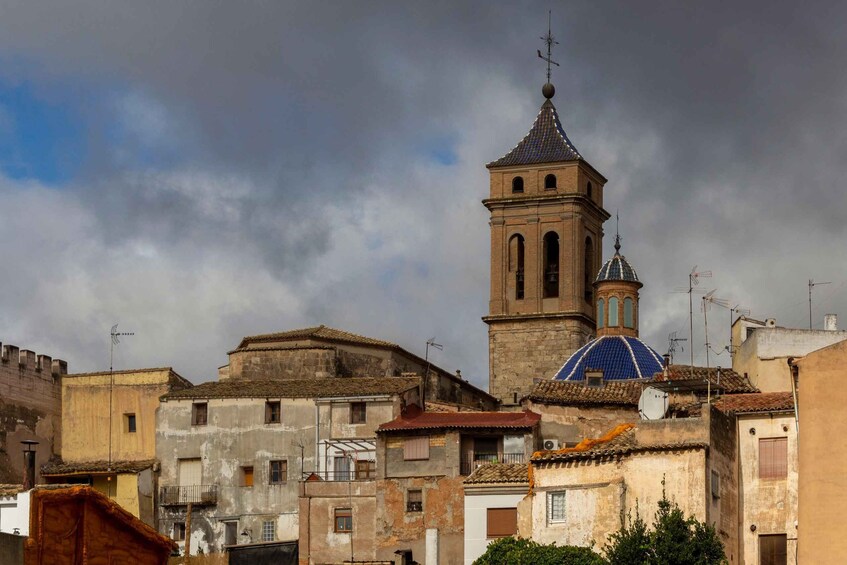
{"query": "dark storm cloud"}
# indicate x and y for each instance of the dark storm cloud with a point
(256, 166)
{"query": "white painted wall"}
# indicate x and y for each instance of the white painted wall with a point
(476, 516)
(14, 513)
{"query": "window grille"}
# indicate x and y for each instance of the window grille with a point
(268, 530)
(555, 507)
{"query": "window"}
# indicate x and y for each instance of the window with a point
(414, 501)
(178, 533)
(343, 520)
(550, 182)
(129, 423)
(773, 549)
(358, 412)
(517, 185)
(199, 414)
(628, 321)
(341, 467)
(365, 469)
(268, 530)
(516, 254)
(551, 265)
(231, 533)
(247, 476)
(601, 315)
(613, 311)
(501, 522)
(273, 412)
(555, 507)
(416, 448)
(588, 190)
(278, 472)
(773, 458)
(594, 381)
(588, 267)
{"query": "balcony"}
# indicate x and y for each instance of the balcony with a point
(361, 474)
(474, 459)
(197, 495)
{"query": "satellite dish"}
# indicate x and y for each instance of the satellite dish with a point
(653, 404)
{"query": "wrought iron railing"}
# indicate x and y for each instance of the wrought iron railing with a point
(351, 475)
(474, 459)
(200, 495)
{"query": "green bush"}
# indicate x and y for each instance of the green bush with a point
(511, 551)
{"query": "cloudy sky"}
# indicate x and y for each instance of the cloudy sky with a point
(201, 171)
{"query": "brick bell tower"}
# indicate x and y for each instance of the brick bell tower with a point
(546, 204)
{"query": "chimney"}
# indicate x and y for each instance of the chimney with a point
(666, 359)
(830, 322)
(458, 373)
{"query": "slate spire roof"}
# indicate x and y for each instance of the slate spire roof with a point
(546, 142)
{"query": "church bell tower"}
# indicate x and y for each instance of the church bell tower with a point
(546, 205)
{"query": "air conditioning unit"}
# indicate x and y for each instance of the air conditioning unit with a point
(551, 444)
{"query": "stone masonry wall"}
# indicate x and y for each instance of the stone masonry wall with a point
(523, 350)
(30, 408)
(280, 364)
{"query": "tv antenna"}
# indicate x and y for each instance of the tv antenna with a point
(672, 344)
(708, 300)
(550, 42)
(431, 343)
(813, 284)
(693, 280)
(115, 335)
(737, 309)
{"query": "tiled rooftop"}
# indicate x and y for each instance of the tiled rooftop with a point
(499, 473)
(620, 357)
(756, 402)
(318, 332)
(415, 419)
(298, 388)
(61, 468)
(570, 393)
(620, 441)
(546, 142)
(726, 379)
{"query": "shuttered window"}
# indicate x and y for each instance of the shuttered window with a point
(415, 448)
(773, 549)
(773, 458)
(502, 522)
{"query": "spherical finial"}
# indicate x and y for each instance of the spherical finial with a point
(617, 244)
(548, 90)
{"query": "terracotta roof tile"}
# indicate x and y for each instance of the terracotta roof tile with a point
(62, 468)
(576, 393)
(317, 332)
(623, 443)
(11, 490)
(726, 379)
(757, 402)
(297, 388)
(415, 419)
(499, 473)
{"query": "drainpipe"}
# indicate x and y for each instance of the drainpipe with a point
(317, 438)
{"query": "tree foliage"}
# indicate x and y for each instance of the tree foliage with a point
(513, 551)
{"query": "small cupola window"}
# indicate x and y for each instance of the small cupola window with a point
(550, 182)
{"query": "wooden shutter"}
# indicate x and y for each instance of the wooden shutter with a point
(416, 448)
(773, 549)
(502, 522)
(773, 458)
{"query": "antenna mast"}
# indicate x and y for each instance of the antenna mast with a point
(708, 299)
(812, 284)
(115, 335)
(693, 280)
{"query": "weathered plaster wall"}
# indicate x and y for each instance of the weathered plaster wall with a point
(769, 504)
(723, 510)
(237, 436)
(86, 417)
(572, 424)
(764, 355)
(30, 409)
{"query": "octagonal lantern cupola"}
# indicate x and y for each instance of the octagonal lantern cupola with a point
(617, 288)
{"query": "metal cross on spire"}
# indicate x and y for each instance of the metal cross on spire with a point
(550, 41)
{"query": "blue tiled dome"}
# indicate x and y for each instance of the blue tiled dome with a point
(620, 358)
(617, 268)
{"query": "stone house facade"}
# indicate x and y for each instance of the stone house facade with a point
(237, 451)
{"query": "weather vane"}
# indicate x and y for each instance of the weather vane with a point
(550, 41)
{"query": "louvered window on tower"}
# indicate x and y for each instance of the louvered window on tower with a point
(516, 260)
(551, 265)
